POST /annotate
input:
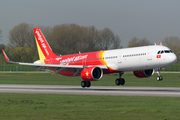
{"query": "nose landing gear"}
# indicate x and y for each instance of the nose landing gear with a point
(159, 78)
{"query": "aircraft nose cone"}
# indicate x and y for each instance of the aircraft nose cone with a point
(172, 59)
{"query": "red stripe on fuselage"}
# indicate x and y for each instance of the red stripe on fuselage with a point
(86, 59)
(91, 58)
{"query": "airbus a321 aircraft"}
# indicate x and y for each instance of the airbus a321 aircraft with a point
(92, 65)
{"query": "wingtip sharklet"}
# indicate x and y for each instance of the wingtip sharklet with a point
(6, 57)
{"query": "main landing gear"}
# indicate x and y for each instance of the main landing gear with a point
(85, 84)
(120, 81)
(159, 78)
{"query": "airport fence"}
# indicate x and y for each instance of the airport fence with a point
(175, 68)
(13, 67)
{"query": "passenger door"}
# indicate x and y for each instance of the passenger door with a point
(149, 54)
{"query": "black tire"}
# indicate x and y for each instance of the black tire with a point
(83, 84)
(117, 81)
(88, 84)
(122, 81)
(159, 78)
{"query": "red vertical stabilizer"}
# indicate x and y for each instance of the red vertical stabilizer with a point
(43, 47)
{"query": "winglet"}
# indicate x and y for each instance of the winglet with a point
(160, 43)
(6, 57)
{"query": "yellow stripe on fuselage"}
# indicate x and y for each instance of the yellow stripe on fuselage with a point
(102, 57)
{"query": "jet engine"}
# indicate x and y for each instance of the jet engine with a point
(91, 74)
(143, 73)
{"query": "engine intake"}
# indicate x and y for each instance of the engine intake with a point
(143, 73)
(91, 74)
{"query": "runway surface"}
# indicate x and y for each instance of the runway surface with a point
(93, 90)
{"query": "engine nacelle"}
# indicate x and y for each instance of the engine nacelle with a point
(91, 74)
(143, 73)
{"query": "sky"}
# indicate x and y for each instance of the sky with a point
(150, 19)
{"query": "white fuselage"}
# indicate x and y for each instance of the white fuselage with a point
(139, 58)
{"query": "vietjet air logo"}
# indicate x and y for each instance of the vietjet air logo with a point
(42, 42)
(72, 59)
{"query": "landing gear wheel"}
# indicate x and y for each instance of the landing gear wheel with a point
(120, 81)
(159, 78)
(85, 84)
(88, 84)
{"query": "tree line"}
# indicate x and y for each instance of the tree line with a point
(171, 42)
(63, 39)
(69, 39)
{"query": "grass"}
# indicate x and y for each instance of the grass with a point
(170, 79)
(87, 107)
(75, 107)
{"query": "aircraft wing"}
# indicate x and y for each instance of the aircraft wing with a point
(56, 67)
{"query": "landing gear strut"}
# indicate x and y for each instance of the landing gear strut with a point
(85, 84)
(120, 81)
(159, 78)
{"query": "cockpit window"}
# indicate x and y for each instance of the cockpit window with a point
(164, 51)
(167, 51)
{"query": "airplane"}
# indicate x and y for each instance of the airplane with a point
(91, 66)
